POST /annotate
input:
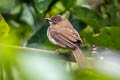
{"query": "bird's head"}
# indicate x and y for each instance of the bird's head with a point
(54, 19)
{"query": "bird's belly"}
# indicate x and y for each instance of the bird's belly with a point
(50, 38)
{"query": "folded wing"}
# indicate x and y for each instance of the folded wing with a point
(66, 37)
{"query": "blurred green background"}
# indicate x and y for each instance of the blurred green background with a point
(22, 24)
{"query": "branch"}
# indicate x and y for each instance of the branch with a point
(66, 56)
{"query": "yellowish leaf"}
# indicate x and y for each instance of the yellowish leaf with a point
(4, 28)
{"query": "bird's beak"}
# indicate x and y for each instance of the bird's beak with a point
(47, 19)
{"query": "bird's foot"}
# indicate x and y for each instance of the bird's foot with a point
(57, 51)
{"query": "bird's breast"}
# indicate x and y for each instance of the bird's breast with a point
(50, 38)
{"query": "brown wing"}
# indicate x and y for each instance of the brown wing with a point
(67, 36)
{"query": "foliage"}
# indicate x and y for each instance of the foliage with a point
(89, 74)
(108, 37)
(89, 17)
(23, 24)
(4, 28)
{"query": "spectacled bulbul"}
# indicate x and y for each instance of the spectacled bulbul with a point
(62, 33)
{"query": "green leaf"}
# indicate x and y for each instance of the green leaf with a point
(113, 16)
(4, 28)
(7, 4)
(68, 3)
(57, 8)
(19, 33)
(16, 10)
(27, 15)
(41, 6)
(40, 37)
(108, 37)
(77, 24)
(88, 16)
(90, 75)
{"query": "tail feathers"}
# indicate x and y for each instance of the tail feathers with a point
(80, 58)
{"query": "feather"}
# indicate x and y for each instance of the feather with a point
(80, 58)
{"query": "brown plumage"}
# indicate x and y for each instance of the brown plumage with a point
(62, 33)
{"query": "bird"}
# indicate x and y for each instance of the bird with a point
(62, 33)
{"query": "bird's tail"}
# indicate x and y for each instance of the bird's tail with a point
(80, 58)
